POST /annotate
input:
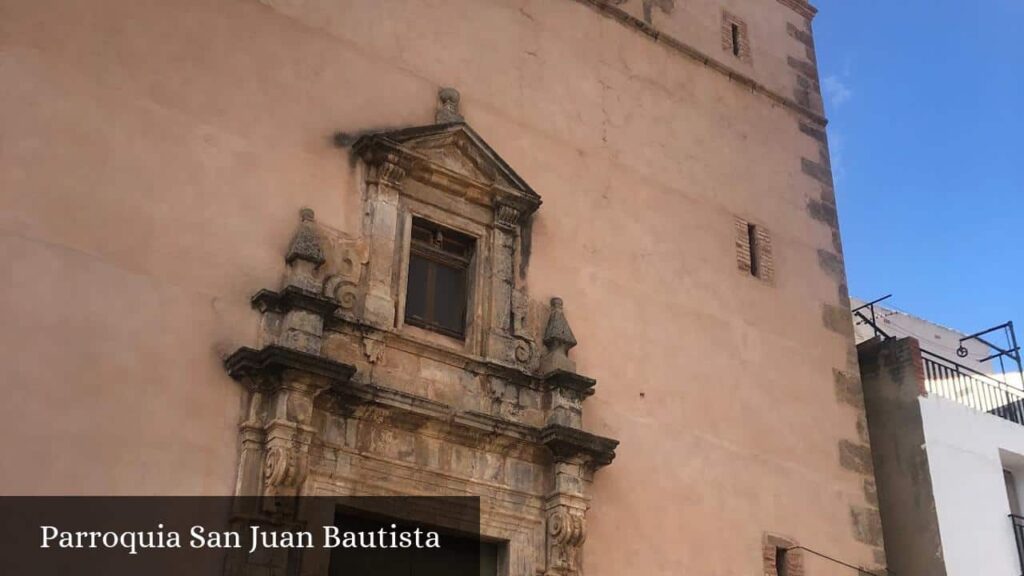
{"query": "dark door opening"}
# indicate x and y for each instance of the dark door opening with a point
(459, 554)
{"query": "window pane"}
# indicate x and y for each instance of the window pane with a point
(421, 233)
(456, 244)
(437, 290)
(450, 298)
(416, 295)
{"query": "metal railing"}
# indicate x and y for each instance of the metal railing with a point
(954, 381)
(976, 390)
(1018, 535)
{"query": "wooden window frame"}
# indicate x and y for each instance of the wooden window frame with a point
(438, 256)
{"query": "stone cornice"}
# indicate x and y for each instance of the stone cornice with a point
(248, 363)
(363, 393)
(607, 8)
(571, 381)
(562, 441)
(801, 7)
(566, 442)
(496, 185)
(293, 297)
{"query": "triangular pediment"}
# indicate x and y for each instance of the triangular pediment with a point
(454, 147)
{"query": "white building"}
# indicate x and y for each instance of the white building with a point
(947, 451)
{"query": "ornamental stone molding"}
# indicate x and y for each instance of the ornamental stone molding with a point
(343, 398)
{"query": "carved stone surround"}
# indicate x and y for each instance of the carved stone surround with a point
(345, 399)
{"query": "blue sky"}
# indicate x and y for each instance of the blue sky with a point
(925, 100)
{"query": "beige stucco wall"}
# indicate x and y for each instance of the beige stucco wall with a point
(154, 155)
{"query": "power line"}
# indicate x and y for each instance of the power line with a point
(859, 569)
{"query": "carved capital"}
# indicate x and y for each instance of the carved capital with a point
(506, 216)
(390, 173)
(284, 470)
(566, 531)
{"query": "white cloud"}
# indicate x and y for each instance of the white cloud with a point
(835, 90)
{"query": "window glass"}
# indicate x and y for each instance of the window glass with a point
(450, 301)
(437, 293)
(416, 299)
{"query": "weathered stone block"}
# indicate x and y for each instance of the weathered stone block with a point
(848, 388)
(379, 311)
(428, 452)
(837, 319)
(820, 172)
(855, 457)
(867, 525)
(522, 475)
(870, 492)
(332, 429)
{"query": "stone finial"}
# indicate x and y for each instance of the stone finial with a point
(448, 111)
(305, 244)
(559, 339)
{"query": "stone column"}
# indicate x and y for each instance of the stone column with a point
(384, 186)
(566, 510)
(289, 432)
(252, 437)
(500, 341)
(278, 431)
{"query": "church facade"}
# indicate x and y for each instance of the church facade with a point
(577, 258)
